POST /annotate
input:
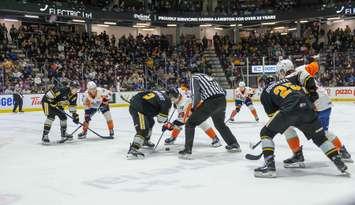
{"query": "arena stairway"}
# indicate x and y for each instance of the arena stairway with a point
(217, 71)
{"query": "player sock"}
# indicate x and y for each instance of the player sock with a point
(175, 133)
(234, 112)
(337, 143)
(294, 144)
(211, 133)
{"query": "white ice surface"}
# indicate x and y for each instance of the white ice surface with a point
(97, 171)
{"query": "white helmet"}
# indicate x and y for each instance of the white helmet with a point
(241, 84)
(283, 67)
(91, 85)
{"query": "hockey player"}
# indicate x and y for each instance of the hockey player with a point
(303, 76)
(53, 104)
(183, 105)
(287, 105)
(143, 107)
(95, 99)
(243, 95)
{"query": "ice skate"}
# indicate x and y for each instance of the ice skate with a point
(340, 165)
(170, 141)
(296, 161)
(45, 140)
(266, 171)
(233, 147)
(82, 135)
(345, 155)
(134, 153)
(148, 144)
(216, 142)
(185, 154)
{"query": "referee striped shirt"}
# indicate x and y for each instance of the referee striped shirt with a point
(204, 87)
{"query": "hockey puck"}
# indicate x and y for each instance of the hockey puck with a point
(167, 149)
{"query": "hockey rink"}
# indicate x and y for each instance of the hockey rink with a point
(96, 171)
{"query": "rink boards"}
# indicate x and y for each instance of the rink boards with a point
(32, 102)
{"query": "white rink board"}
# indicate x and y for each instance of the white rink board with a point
(96, 172)
(33, 101)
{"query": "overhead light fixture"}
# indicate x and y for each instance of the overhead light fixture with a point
(268, 23)
(292, 29)
(333, 18)
(148, 29)
(205, 25)
(11, 20)
(303, 21)
(138, 26)
(240, 25)
(279, 28)
(218, 28)
(338, 21)
(233, 25)
(31, 16)
(143, 24)
(103, 25)
(170, 25)
(78, 21)
(283, 33)
(110, 23)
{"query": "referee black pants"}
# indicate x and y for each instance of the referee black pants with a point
(18, 102)
(214, 107)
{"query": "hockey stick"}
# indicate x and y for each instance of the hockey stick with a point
(253, 157)
(156, 145)
(255, 145)
(101, 136)
(125, 99)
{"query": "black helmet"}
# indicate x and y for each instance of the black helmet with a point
(74, 84)
(173, 92)
(266, 80)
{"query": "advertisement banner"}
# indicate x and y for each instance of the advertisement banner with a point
(32, 102)
(265, 69)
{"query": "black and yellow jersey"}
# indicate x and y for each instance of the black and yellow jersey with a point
(151, 103)
(282, 94)
(60, 97)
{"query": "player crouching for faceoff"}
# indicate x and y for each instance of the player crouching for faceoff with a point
(182, 101)
(53, 104)
(143, 107)
(96, 98)
(287, 105)
(303, 76)
(243, 95)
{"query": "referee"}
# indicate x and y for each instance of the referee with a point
(208, 100)
(18, 98)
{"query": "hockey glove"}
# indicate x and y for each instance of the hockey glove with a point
(167, 126)
(75, 118)
(105, 101)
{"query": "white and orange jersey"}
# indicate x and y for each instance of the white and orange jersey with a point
(184, 104)
(242, 94)
(323, 102)
(94, 101)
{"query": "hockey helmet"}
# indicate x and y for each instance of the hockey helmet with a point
(74, 86)
(241, 84)
(173, 93)
(284, 67)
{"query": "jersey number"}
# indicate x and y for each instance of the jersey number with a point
(285, 89)
(148, 96)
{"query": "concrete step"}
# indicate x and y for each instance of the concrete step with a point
(218, 74)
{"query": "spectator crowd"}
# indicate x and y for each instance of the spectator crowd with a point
(34, 56)
(128, 63)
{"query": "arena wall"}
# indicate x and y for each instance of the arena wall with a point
(32, 102)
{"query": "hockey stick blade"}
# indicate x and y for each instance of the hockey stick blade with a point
(253, 157)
